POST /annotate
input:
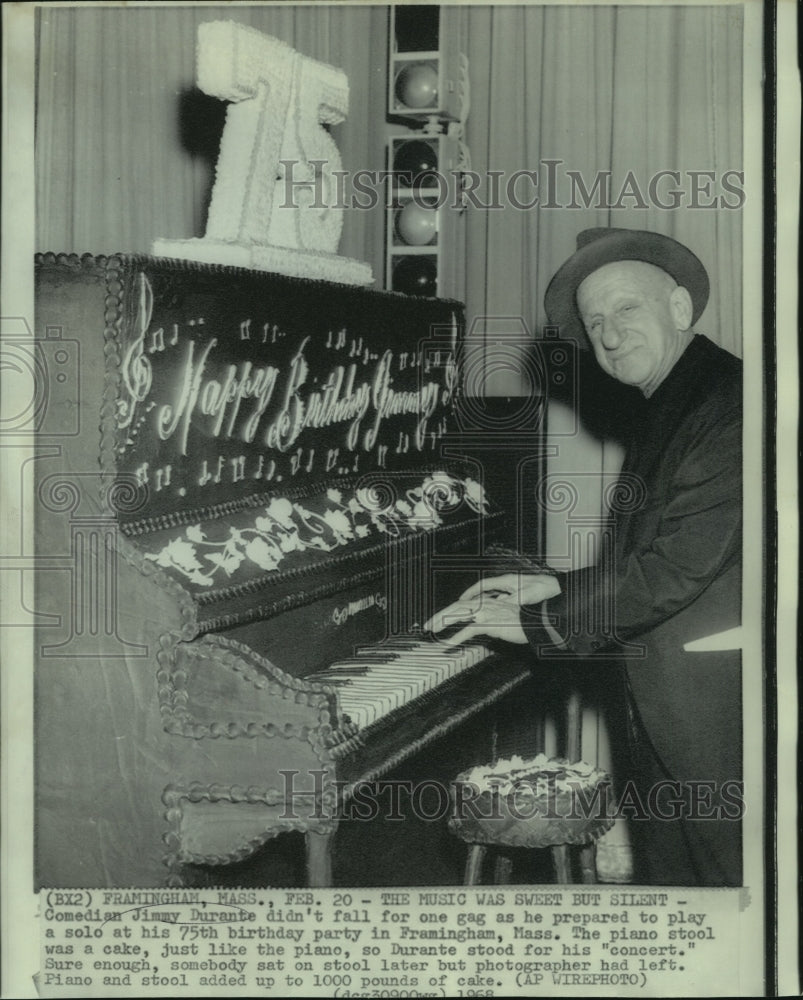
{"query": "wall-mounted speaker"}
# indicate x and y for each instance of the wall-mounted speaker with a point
(425, 77)
(423, 212)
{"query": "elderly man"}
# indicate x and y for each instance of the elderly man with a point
(667, 602)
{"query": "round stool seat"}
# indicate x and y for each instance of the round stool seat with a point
(541, 802)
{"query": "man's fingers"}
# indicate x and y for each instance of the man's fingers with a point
(469, 632)
(496, 584)
(446, 617)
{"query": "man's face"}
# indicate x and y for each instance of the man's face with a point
(629, 312)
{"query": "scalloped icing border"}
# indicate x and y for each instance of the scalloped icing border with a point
(266, 258)
(112, 268)
(174, 795)
(234, 656)
(88, 260)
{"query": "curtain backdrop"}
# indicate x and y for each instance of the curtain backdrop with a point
(641, 89)
(126, 144)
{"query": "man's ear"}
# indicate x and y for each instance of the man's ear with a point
(681, 308)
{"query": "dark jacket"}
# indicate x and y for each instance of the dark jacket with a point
(672, 573)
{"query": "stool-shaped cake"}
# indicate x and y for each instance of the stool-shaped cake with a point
(540, 802)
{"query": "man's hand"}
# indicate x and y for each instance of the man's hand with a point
(524, 588)
(492, 608)
(494, 617)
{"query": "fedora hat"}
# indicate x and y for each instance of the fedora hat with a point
(597, 247)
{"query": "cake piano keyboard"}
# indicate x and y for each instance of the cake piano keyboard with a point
(379, 680)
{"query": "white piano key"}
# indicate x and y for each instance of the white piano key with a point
(395, 673)
(362, 692)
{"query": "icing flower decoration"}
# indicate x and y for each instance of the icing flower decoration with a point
(284, 527)
(179, 554)
(264, 555)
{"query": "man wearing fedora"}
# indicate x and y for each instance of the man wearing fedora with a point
(666, 604)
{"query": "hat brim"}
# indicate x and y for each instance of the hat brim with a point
(615, 245)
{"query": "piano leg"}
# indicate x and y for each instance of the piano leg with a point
(319, 858)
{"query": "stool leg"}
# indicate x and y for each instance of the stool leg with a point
(560, 859)
(503, 870)
(588, 863)
(319, 858)
(476, 854)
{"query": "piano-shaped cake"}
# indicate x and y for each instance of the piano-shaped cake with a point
(244, 512)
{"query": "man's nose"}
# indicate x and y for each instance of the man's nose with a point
(611, 334)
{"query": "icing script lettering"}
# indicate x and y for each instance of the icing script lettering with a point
(272, 407)
(136, 368)
(389, 402)
(215, 398)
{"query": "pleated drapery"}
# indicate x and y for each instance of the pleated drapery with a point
(632, 91)
(126, 144)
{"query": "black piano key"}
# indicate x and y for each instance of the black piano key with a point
(338, 670)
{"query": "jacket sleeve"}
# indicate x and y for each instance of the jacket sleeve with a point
(693, 538)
